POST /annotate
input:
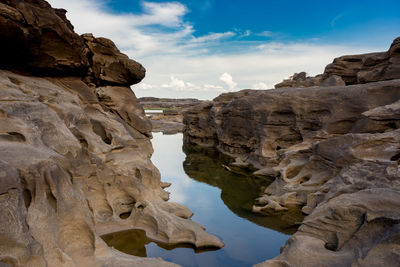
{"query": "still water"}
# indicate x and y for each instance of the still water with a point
(221, 202)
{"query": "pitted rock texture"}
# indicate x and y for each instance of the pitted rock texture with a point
(353, 69)
(72, 169)
(333, 151)
(75, 149)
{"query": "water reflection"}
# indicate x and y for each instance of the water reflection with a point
(221, 202)
(238, 191)
(134, 242)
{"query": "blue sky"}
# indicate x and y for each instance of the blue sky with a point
(203, 48)
(330, 21)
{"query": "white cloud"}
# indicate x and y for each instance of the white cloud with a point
(195, 63)
(168, 14)
(210, 87)
(227, 79)
(182, 86)
(144, 86)
(175, 84)
(213, 37)
(266, 34)
(261, 85)
(245, 34)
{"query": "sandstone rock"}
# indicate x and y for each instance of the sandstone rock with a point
(353, 69)
(124, 102)
(75, 158)
(36, 38)
(73, 169)
(300, 80)
(334, 152)
(333, 80)
(262, 124)
(110, 66)
(368, 67)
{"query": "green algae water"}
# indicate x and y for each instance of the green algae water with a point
(221, 201)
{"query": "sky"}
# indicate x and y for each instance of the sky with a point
(202, 48)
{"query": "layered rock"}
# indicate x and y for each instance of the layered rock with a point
(353, 69)
(332, 150)
(75, 149)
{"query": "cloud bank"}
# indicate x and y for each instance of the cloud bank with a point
(181, 64)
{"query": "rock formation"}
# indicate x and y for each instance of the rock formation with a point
(75, 148)
(333, 151)
(354, 69)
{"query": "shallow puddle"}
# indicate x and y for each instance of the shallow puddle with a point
(221, 202)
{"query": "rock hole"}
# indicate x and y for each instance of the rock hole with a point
(138, 174)
(278, 148)
(84, 143)
(391, 125)
(292, 171)
(27, 197)
(12, 137)
(125, 215)
(332, 243)
(140, 207)
(305, 179)
(395, 157)
(99, 129)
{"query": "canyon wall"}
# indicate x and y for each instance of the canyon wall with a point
(75, 148)
(333, 151)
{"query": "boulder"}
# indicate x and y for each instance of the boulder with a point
(37, 38)
(110, 66)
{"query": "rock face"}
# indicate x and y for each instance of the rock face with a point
(37, 39)
(110, 66)
(354, 69)
(333, 150)
(75, 149)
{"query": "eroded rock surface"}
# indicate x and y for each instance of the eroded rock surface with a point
(332, 150)
(75, 149)
(353, 69)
